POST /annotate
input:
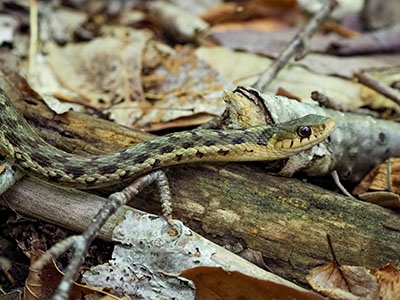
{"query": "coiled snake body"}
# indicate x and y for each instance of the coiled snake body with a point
(20, 144)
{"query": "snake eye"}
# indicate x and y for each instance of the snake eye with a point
(304, 131)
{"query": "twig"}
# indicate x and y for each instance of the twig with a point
(389, 175)
(325, 101)
(377, 85)
(81, 243)
(335, 177)
(322, 99)
(296, 46)
(335, 261)
(33, 23)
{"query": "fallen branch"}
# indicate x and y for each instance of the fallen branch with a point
(377, 85)
(296, 46)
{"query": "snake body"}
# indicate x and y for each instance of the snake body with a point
(21, 145)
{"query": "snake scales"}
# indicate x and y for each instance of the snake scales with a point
(20, 144)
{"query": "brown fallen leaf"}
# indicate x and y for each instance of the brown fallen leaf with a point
(378, 41)
(216, 283)
(388, 278)
(339, 29)
(42, 285)
(236, 12)
(105, 70)
(283, 92)
(377, 179)
(384, 199)
(184, 89)
(343, 282)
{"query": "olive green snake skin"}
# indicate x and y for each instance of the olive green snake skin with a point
(21, 145)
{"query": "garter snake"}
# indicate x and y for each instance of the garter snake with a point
(21, 145)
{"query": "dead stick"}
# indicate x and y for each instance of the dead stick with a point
(295, 46)
(377, 85)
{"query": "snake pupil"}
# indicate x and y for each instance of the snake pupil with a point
(304, 131)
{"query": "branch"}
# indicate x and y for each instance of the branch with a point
(296, 46)
(377, 85)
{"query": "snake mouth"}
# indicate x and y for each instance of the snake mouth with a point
(298, 143)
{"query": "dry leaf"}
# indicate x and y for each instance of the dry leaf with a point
(293, 78)
(42, 285)
(379, 41)
(283, 11)
(215, 283)
(344, 281)
(182, 86)
(270, 43)
(183, 25)
(105, 70)
(384, 199)
(378, 102)
(63, 22)
(376, 180)
(388, 278)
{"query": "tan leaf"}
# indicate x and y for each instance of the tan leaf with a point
(215, 283)
(346, 281)
(388, 278)
(377, 179)
(42, 285)
(382, 198)
(181, 86)
(103, 71)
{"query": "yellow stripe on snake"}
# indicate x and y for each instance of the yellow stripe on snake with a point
(21, 145)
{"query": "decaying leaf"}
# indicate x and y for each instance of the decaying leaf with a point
(377, 179)
(63, 22)
(182, 86)
(343, 282)
(384, 199)
(105, 70)
(269, 41)
(216, 283)
(388, 278)
(378, 102)
(246, 14)
(183, 25)
(379, 41)
(42, 285)
(295, 79)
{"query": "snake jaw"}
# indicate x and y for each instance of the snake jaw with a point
(290, 143)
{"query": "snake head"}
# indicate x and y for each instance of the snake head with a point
(300, 134)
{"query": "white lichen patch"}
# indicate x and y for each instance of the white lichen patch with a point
(149, 259)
